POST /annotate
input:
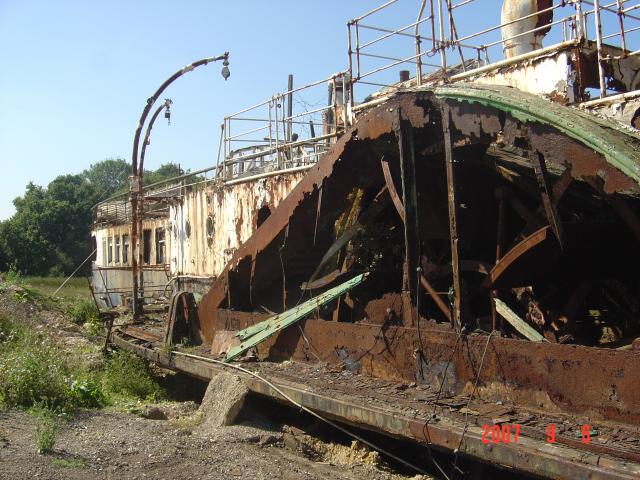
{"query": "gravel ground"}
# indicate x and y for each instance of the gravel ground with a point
(110, 445)
(172, 440)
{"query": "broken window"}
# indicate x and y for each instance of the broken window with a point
(104, 251)
(125, 248)
(210, 230)
(117, 252)
(263, 214)
(160, 246)
(110, 250)
(146, 251)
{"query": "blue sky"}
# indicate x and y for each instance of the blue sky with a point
(75, 75)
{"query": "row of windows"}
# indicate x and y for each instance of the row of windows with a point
(115, 250)
(113, 247)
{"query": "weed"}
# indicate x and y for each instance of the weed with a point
(34, 370)
(83, 311)
(46, 429)
(127, 374)
(88, 394)
(68, 462)
(188, 423)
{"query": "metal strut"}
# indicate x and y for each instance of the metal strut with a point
(453, 222)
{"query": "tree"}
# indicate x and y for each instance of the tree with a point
(50, 231)
(164, 172)
(109, 176)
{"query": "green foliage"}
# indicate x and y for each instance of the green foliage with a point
(46, 429)
(164, 172)
(83, 311)
(68, 462)
(34, 371)
(108, 177)
(129, 375)
(88, 394)
(21, 290)
(49, 233)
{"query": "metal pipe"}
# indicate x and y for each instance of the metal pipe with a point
(603, 87)
(443, 53)
(371, 12)
(510, 22)
(289, 106)
(456, 320)
(167, 104)
(358, 49)
(137, 177)
(390, 33)
(623, 40)
(147, 140)
(220, 143)
(417, 42)
(621, 97)
(513, 60)
(277, 152)
(350, 68)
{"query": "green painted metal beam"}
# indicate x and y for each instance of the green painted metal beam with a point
(259, 332)
(520, 325)
(619, 146)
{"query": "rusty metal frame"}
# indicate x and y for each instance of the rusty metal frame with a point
(456, 320)
(404, 135)
(531, 455)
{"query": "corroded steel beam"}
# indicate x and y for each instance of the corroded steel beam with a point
(530, 454)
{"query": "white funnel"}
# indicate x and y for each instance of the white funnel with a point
(514, 39)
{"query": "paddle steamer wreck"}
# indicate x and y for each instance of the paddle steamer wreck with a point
(451, 251)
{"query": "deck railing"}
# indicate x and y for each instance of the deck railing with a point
(438, 47)
(289, 130)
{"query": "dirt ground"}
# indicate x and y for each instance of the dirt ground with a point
(112, 445)
(183, 443)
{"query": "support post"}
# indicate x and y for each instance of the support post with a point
(453, 222)
(540, 169)
(404, 135)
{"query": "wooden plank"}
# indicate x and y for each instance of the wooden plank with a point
(516, 322)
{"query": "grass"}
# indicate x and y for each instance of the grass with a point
(75, 289)
(188, 423)
(130, 376)
(41, 374)
(68, 462)
(36, 371)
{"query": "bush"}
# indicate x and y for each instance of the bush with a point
(35, 371)
(83, 311)
(31, 372)
(127, 374)
(88, 394)
(46, 429)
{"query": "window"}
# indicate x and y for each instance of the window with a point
(104, 251)
(117, 254)
(125, 249)
(160, 246)
(110, 250)
(263, 214)
(146, 242)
